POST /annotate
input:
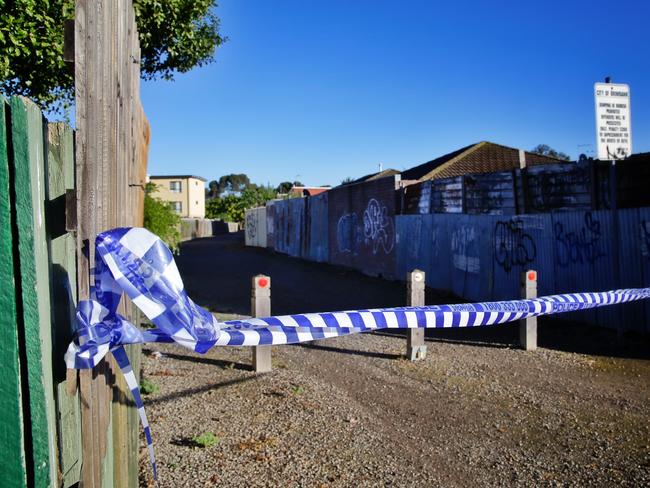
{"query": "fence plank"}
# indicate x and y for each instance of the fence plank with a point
(63, 276)
(27, 137)
(12, 464)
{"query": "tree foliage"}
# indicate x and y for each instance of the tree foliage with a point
(232, 208)
(31, 50)
(286, 186)
(232, 183)
(546, 150)
(161, 219)
(175, 36)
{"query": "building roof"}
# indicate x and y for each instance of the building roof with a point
(179, 177)
(374, 176)
(482, 157)
(309, 191)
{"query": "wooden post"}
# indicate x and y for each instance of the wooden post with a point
(261, 307)
(415, 348)
(528, 327)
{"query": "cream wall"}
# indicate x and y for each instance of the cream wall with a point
(191, 196)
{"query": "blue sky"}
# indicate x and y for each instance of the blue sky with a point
(320, 91)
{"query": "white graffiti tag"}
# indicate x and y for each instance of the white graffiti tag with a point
(378, 227)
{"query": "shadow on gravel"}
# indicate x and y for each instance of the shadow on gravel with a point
(217, 273)
(195, 391)
(370, 354)
(214, 362)
(556, 334)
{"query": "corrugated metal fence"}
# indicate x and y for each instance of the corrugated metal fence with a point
(482, 237)
(480, 257)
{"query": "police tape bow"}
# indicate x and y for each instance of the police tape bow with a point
(136, 262)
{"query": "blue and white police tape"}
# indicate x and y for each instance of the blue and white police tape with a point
(136, 262)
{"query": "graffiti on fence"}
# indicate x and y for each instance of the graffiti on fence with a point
(347, 234)
(415, 236)
(583, 246)
(556, 188)
(251, 226)
(378, 227)
(645, 238)
(464, 249)
(436, 240)
(512, 245)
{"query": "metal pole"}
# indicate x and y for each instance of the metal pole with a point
(415, 348)
(261, 307)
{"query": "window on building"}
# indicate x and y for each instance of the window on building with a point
(175, 187)
(177, 206)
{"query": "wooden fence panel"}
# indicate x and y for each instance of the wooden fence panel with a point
(12, 464)
(29, 170)
(112, 139)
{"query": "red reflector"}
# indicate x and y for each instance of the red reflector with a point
(532, 276)
(263, 282)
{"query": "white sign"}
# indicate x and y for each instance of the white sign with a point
(613, 124)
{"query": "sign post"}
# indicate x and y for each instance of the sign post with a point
(613, 123)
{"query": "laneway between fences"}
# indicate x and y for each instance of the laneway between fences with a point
(351, 411)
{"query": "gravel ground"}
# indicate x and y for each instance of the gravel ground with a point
(352, 411)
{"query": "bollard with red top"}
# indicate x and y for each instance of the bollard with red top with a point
(415, 348)
(528, 327)
(261, 307)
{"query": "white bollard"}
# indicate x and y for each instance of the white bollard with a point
(415, 348)
(261, 307)
(528, 327)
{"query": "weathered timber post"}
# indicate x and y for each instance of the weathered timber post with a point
(261, 307)
(528, 327)
(415, 348)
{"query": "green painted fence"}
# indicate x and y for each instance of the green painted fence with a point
(41, 428)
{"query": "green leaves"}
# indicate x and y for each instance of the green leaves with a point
(232, 208)
(207, 439)
(31, 51)
(161, 219)
(176, 35)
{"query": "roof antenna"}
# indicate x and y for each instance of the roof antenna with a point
(608, 79)
(381, 167)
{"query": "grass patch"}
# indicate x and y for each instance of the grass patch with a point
(148, 387)
(207, 439)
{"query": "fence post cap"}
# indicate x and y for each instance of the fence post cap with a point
(261, 281)
(416, 275)
(530, 275)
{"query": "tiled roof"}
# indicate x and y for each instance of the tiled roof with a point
(483, 157)
(376, 176)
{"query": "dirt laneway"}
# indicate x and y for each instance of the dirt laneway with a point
(352, 412)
